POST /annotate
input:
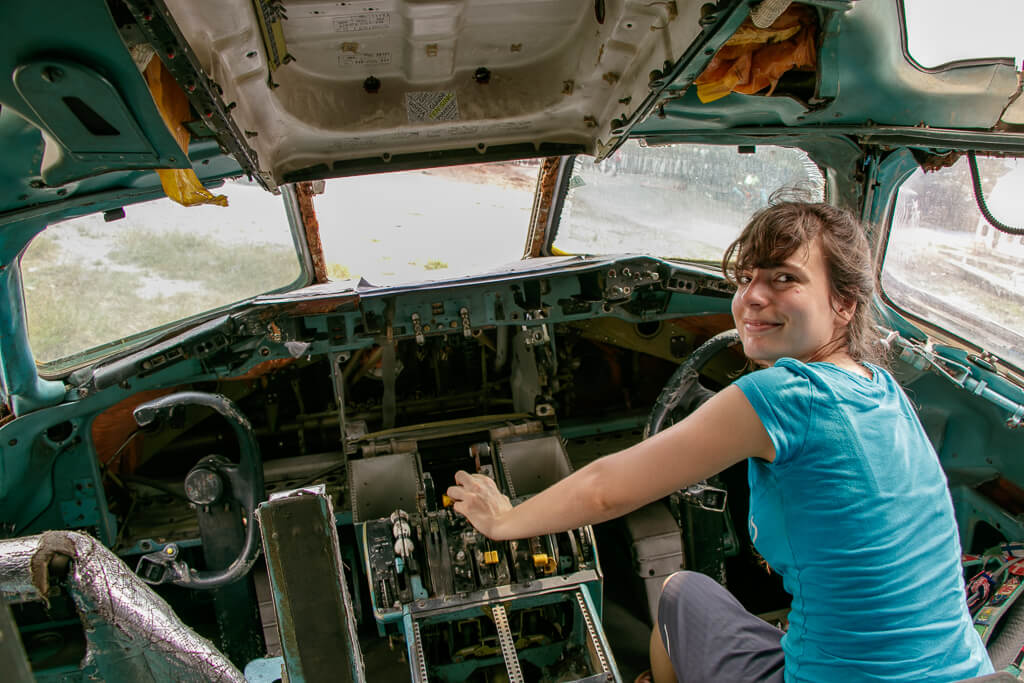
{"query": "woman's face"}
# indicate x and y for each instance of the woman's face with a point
(787, 310)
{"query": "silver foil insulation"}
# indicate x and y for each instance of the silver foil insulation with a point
(131, 632)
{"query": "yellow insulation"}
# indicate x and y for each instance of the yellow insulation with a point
(182, 185)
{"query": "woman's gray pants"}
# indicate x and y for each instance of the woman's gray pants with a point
(710, 636)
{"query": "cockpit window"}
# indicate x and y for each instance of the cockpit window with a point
(433, 224)
(89, 282)
(943, 31)
(679, 201)
(947, 265)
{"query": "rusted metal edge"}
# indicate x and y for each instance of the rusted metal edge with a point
(543, 200)
(311, 226)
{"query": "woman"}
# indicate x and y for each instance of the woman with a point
(848, 501)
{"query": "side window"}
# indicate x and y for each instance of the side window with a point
(944, 262)
(88, 283)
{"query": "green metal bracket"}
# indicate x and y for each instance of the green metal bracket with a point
(73, 78)
(83, 113)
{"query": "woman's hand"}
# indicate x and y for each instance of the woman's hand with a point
(478, 499)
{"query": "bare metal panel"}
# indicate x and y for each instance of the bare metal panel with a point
(381, 484)
(315, 617)
(533, 464)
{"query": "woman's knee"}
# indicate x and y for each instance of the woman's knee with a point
(687, 597)
(686, 581)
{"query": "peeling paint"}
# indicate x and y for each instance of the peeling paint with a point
(304, 193)
(542, 206)
(349, 302)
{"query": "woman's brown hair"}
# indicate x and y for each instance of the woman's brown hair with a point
(776, 232)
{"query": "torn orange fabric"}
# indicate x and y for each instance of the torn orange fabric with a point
(181, 185)
(754, 58)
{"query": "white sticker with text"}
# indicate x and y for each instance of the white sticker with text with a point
(368, 21)
(364, 58)
(426, 107)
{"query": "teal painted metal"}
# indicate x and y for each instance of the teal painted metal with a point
(887, 177)
(81, 510)
(595, 611)
(717, 26)
(18, 370)
(267, 670)
(970, 434)
(831, 148)
(971, 508)
(307, 580)
(407, 631)
(25, 389)
(69, 673)
(113, 189)
(885, 89)
(86, 117)
(83, 33)
(43, 458)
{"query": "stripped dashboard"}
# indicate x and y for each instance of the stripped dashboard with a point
(379, 396)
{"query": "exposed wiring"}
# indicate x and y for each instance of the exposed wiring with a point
(120, 449)
(994, 562)
(50, 475)
(175, 490)
(979, 199)
(124, 522)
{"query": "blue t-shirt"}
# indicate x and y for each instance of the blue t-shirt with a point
(855, 514)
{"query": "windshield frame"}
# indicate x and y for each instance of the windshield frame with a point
(568, 165)
(61, 367)
(932, 328)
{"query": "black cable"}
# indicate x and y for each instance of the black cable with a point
(979, 199)
(120, 449)
(53, 494)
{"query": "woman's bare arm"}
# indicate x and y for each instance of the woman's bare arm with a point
(720, 433)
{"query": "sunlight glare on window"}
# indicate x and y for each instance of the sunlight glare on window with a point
(943, 31)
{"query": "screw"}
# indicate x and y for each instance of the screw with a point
(52, 74)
